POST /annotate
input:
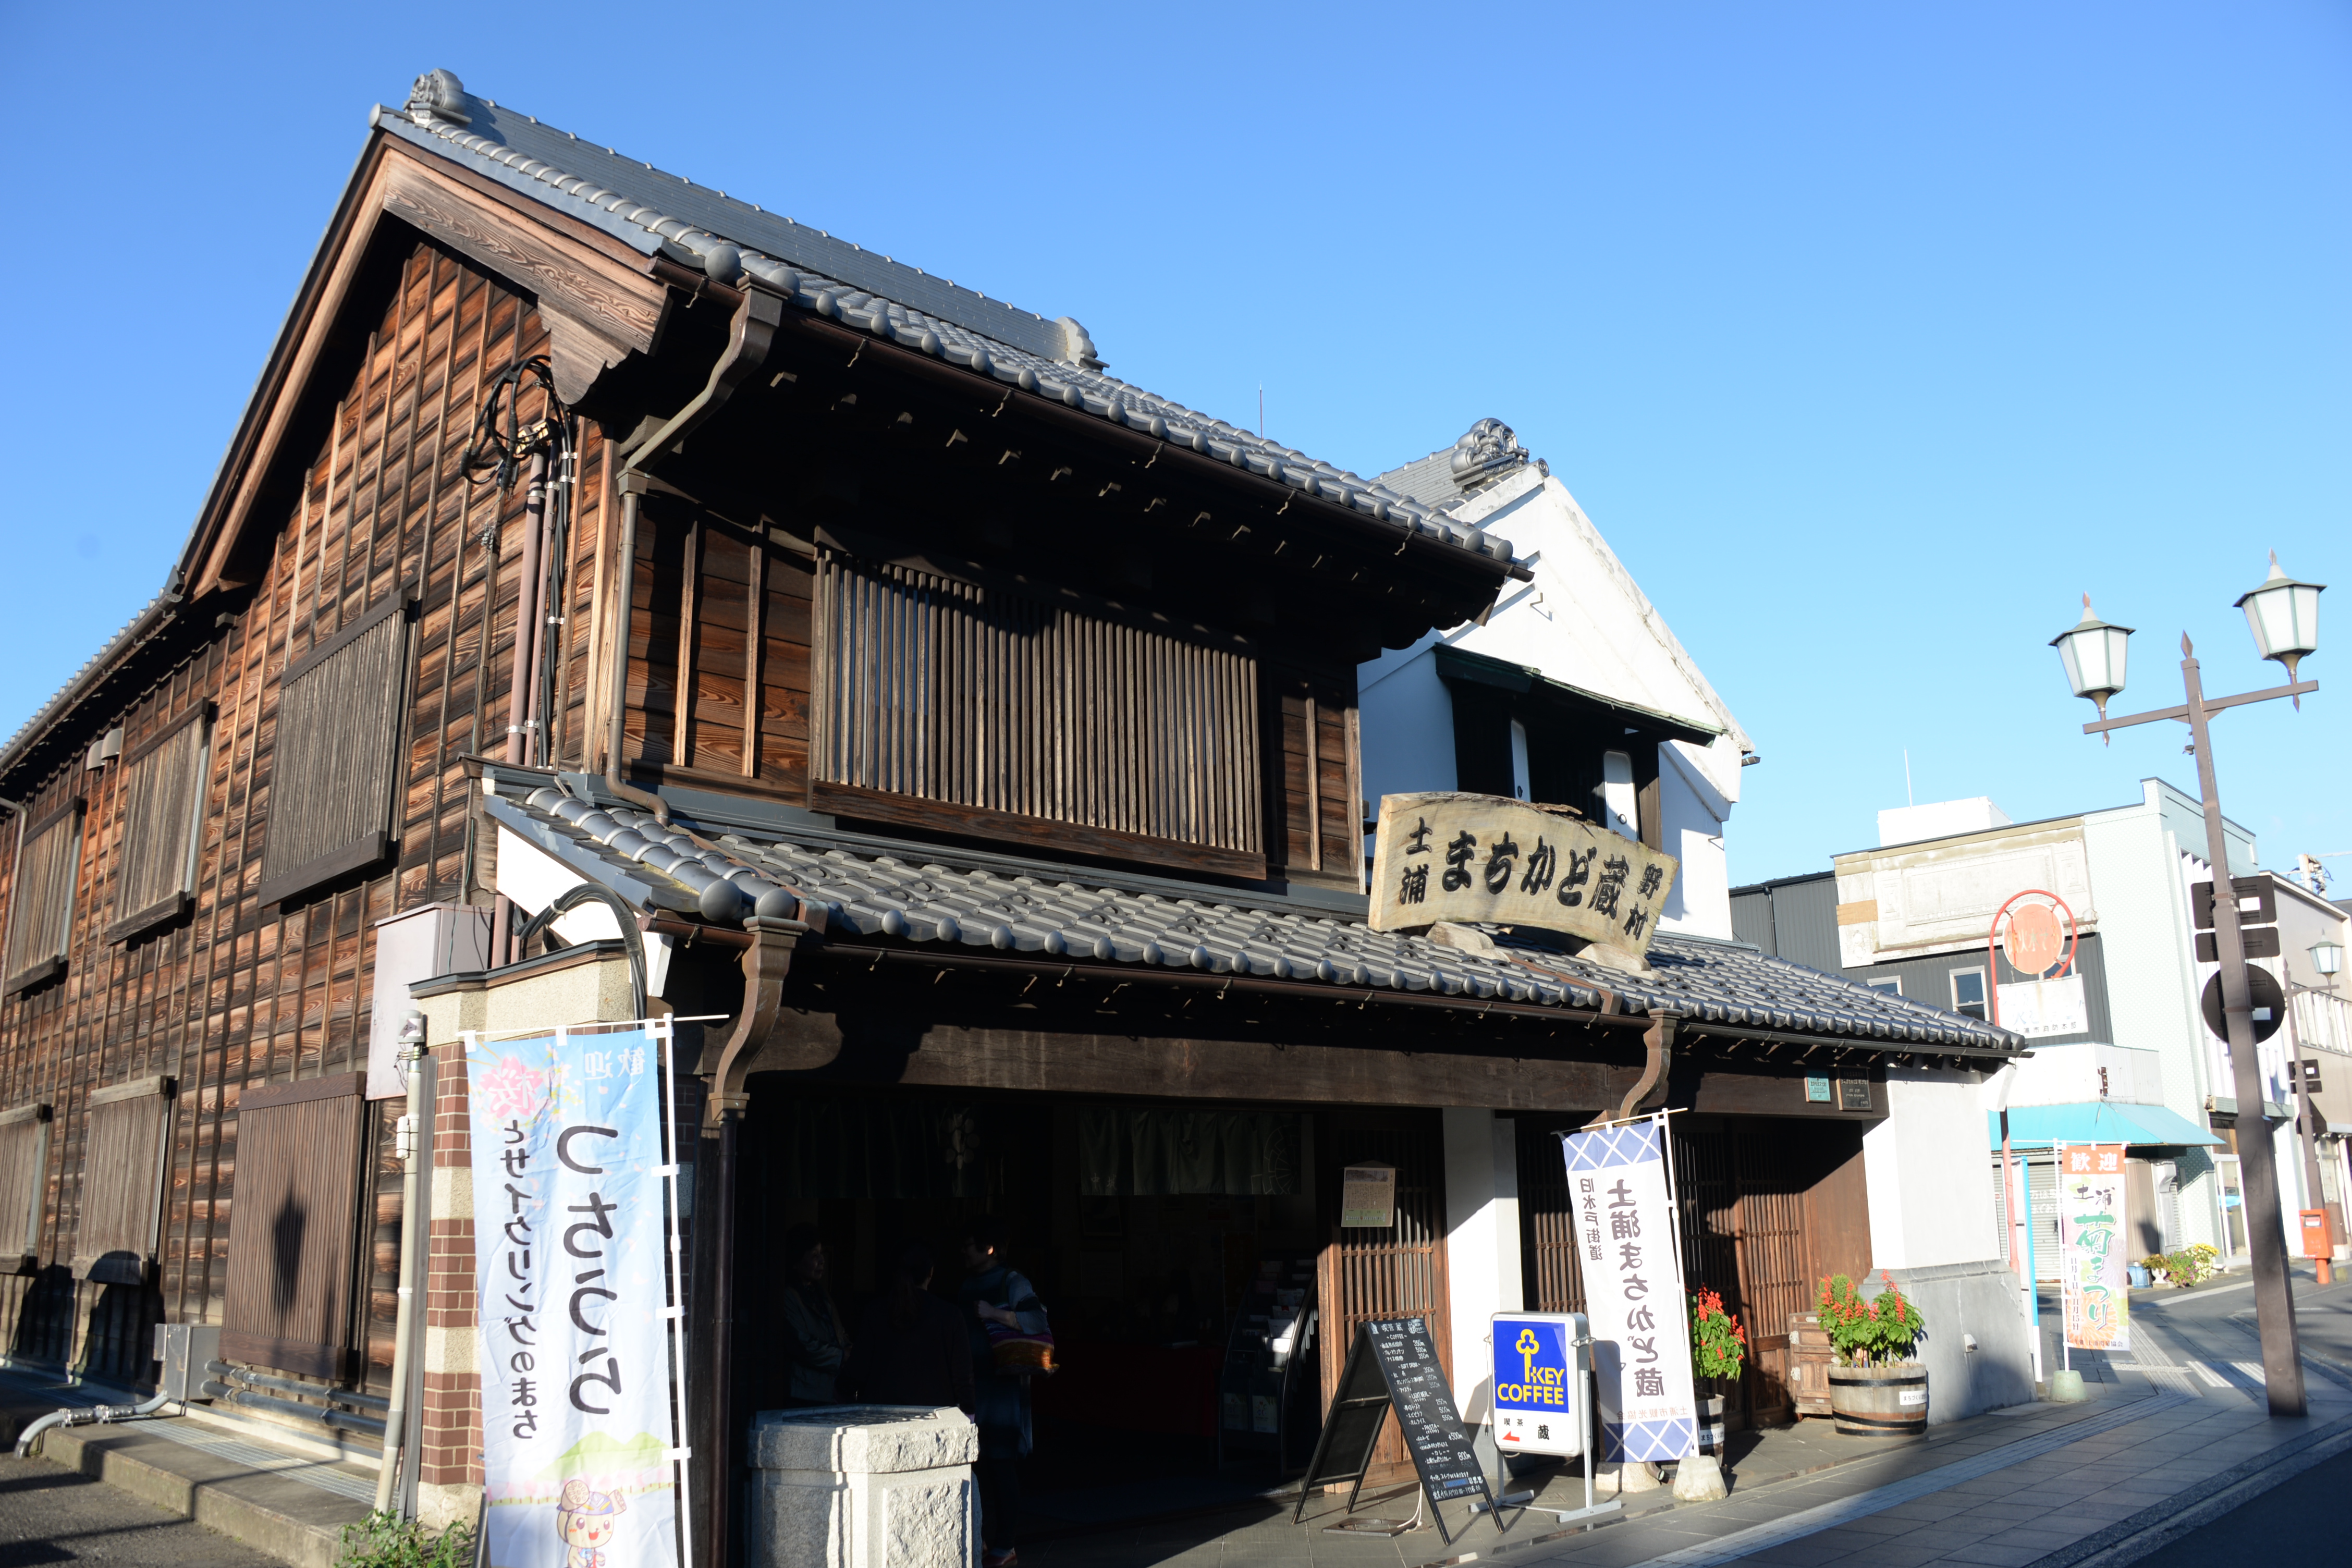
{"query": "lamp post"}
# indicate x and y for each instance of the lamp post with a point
(2284, 616)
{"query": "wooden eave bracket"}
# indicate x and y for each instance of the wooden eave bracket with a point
(1658, 1047)
(767, 963)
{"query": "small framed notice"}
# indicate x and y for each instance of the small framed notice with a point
(1368, 1197)
(1854, 1094)
(1817, 1091)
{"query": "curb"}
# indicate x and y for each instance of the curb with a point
(255, 1524)
(2159, 1524)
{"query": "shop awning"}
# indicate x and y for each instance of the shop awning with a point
(2095, 1121)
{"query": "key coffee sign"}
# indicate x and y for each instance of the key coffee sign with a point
(1483, 857)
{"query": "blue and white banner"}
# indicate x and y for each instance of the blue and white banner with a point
(1641, 1383)
(570, 1250)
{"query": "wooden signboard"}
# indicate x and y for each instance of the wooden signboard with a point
(1394, 1365)
(1368, 1197)
(1481, 858)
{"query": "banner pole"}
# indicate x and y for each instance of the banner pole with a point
(674, 1308)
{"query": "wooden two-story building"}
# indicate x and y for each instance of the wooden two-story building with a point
(973, 731)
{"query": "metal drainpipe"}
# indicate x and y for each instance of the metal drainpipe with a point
(754, 325)
(396, 1416)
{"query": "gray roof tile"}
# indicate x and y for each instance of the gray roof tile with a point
(885, 895)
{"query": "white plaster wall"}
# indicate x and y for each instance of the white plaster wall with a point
(1930, 1199)
(1407, 726)
(1692, 815)
(1482, 1248)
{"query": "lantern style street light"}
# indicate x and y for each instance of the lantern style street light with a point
(2284, 615)
(2328, 958)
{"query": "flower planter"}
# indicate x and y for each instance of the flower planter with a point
(1710, 1424)
(1886, 1401)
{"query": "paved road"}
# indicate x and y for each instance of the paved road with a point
(2302, 1521)
(51, 1514)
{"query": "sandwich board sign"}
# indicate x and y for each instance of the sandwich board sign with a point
(1392, 1366)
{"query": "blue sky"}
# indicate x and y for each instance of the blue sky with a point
(1870, 336)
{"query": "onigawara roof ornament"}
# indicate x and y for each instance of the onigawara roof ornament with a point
(1486, 452)
(441, 96)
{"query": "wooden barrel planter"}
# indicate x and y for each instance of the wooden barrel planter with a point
(1880, 1401)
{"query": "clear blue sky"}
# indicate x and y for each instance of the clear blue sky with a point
(1871, 336)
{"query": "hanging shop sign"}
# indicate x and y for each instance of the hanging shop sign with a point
(1481, 858)
(2091, 1239)
(575, 1263)
(1642, 1384)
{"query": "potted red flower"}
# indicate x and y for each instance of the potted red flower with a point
(1876, 1390)
(1719, 1353)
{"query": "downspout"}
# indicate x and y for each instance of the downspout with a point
(396, 1416)
(521, 676)
(754, 327)
(1658, 1042)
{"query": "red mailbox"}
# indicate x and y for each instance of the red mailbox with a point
(2316, 1240)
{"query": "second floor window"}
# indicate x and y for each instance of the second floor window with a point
(1968, 993)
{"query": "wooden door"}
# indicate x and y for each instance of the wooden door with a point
(1400, 1272)
(295, 1228)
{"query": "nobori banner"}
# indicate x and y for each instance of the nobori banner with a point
(1642, 1381)
(572, 1256)
(2091, 1225)
(1474, 858)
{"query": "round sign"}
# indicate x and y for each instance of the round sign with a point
(2267, 1000)
(2035, 942)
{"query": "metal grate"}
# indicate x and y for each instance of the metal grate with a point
(974, 696)
(339, 726)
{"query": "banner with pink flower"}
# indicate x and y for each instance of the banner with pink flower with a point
(572, 1259)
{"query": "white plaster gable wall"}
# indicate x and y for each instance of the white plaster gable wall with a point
(1584, 621)
(1930, 1181)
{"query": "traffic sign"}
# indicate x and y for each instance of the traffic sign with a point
(2267, 1000)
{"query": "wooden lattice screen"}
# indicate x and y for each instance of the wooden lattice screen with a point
(331, 771)
(290, 1257)
(24, 1169)
(940, 690)
(40, 905)
(163, 790)
(122, 1181)
(1400, 1272)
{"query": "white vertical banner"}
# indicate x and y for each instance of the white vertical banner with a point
(572, 1256)
(1641, 1386)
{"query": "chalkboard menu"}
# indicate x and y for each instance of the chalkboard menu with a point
(1392, 1365)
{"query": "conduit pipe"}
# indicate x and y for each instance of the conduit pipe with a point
(395, 1416)
(748, 337)
(91, 1415)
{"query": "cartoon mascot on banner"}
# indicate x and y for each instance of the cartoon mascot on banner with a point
(584, 1521)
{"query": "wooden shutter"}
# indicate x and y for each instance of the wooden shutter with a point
(162, 787)
(333, 767)
(1398, 1272)
(24, 1167)
(1140, 735)
(1548, 1263)
(122, 1181)
(295, 1226)
(40, 907)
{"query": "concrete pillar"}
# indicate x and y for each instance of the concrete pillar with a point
(864, 1486)
(1482, 1249)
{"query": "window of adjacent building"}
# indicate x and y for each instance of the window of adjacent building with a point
(163, 817)
(1892, 985)
(24, 1165)
(1968, 993)
(1618, 794)
(122, 1182)
(1520, 776)
(40, 904)
(332, 782)
(290, 1241)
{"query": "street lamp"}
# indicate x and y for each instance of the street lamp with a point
(2285, 616)
(2328, 958)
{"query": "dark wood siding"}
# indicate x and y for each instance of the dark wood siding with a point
(1400, 1272)
(162, 783)
(291, 1257)
(40, 921)
(239, 993)
(940, 690)
(122, 1180)
(1316, 784)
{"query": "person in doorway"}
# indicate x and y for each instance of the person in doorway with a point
(910, 1347)
(996, 1293)
(815, 1344)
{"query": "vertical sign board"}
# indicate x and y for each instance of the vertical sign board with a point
(572, 1251)
(1368, 1197)
(2091, 1243)
(1394, 1365)
(1641, 1383)
(1539, 1397)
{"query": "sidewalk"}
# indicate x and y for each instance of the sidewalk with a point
(2176, 1433)
(268, 1495)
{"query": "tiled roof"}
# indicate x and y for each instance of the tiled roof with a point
(650, 211)
(1065, 913)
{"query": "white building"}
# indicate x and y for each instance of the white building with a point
(1573, 689)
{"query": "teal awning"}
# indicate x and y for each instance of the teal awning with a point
(2095, 1121)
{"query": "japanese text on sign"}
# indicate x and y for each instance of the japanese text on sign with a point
(1478, 858)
